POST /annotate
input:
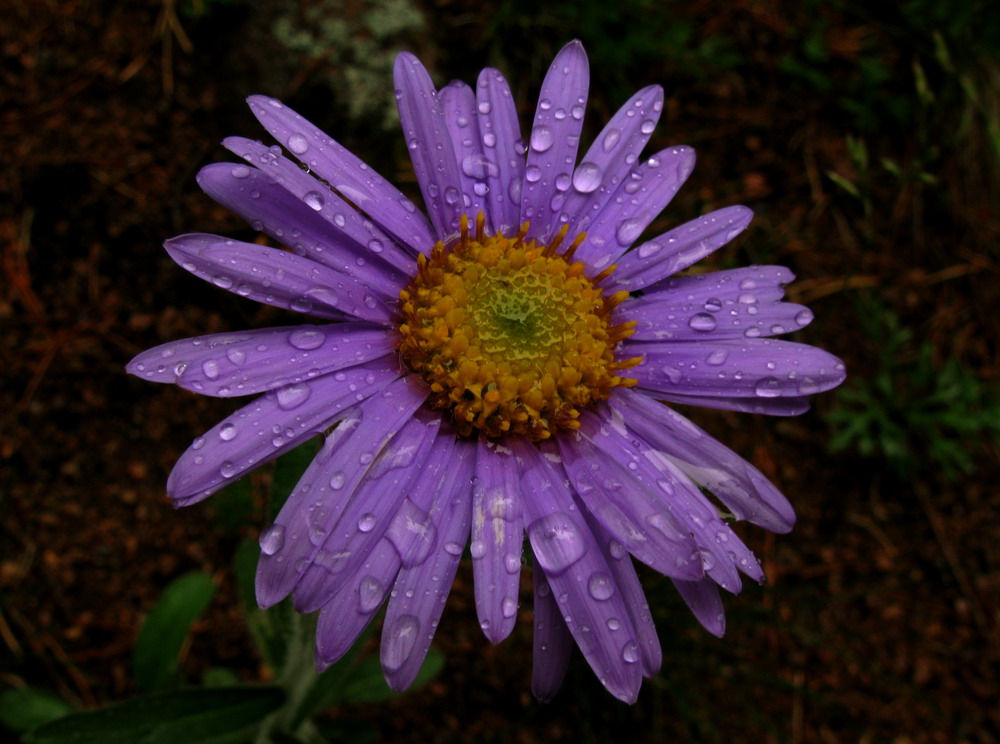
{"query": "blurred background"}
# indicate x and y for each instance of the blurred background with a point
(864, 135)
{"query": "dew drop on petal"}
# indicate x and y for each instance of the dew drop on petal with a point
(508, 606)
(600, 586)
(702, 322)
(587, 177)
(557, 542)
(370, 594)
(398, 640)
(297, 143)
(272, 539)
(314, 200)
(611, 139)
(227, 432)
(768, 387)
(294, 395)
(628, 230)
(630, 653)
(367, 522)
(717, 357)
(240, 171)
(306, 339)
(541, 138)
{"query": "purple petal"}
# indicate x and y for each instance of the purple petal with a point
(503, 148)
(284, 356)
(429, 143)
(166, 362)
(750, 368)
(496, 539)
(345, 172)
(421, 590)
(765, 282)
(611, 156)
(270, 426)
(276, 277)
(706, 604)
(351, 609)
(739, 485)
(346, 535)
(555, 137)
(642, 195)
(568, 553)
(552, 645)
(629, 511)
(459, 105)
(677, 249)
(766, 406)
(269, 207)
(627, 581)
(323, 492)
(341, 216)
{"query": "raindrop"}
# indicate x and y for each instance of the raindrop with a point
(511, 563)
(399, 637)
(298, 144)
(227, 432)
(211, 369)
(702, 322)
(314, 200)
(367, 522)
(293, 396)
(647, 126)
(587, 177)
(477, 549)
(240, 171)
(557, 542)
(630, 653)
(453, 548)
(370, 594)
(306, 339)
(673, 374)
(337, 480)
(227, 469)
(563, 182)
(508, 607)
(804, 317)
(768, 387)
(532, 173)
(611, 139)
(600, 586)
(490, 139)
(717, 357)
(541, 138)
(614, 623)
(236, 356)
(713, 304)
(628, 230)
(272, 539)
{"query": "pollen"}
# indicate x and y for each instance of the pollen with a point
(511, 335)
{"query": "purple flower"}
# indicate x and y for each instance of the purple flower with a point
(496, 372)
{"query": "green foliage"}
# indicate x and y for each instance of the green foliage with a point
(912, 413)
(24, 708)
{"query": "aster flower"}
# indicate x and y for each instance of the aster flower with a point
(502, 370)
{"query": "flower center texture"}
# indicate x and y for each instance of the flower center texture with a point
(511, 336)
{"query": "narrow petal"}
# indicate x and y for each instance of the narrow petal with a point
(285, 356)
(345, 536)
(706, 604)
(628, 510)
(496, 539)
(502, 147)
(341, 216)
(677, 249)
(641, 196)
(269, 207)
(611, 157)
(167, 362)
(323, 492)
(766, 406)
(739, 485)
(552, 643)
(765, 282)
(555, 137)
(349, 611)
(461, 118)
(568, 554)
(423, 585)
(270, 426)
(276, 277)
(345, 172)
(627, 581)
(750, 368)
(429, 143)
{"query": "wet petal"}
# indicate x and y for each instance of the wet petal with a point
(284, 356)
(459, 105)
(502, 147)
(496, 539)
(345, 172)
(702, 597)
(270, 426)
(677, 249)
(322, 494)
(166, 362)
(276, 277)
(555, 137)
(765, 406)
(429, 143)
(269, 207)
(552, 643)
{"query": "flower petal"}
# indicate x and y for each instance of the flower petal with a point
(421, 589)
(677, 249)
(739, 485)
(166, 362)
(702, 597)
(568, 554)
(765, 406)
(269, 207)
(552, 643)
(502, 147)
(641, 196)
(345, 536)
(345, 172)
(322, 494)
(496, 539)
(276, 277)
(284, 356)
(429, 143)
(270, 426)
(612, 155)
(555, 137)
(341, 216)
(750, 368)
(458, 103)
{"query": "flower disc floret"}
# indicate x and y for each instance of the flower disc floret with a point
(512, 337)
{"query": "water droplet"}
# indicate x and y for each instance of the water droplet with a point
(647, 126)
(477, 549)
(337, 480)
(211, 369)
(532, 174)
(768, 387)
(804, 317)
(236, 355)
(227, 432)
(370, 593)
(587, 177)
(614, 623)
(367, 522)
(399, 638)
(702, 322)
(649, 249)
(713, 304)
(485, 107)
(298, 144)
(453, 548)
(807, 386)
(600, 586)
(630, 653)
(508, 606)
(240, 171)
(490, 139)
(314, 200)
(293, 396)
(511, 563)
(541, 138)
(611, 139)
(306, 339)
(717, 357)
(272, 539)
(227, 469)
(628, 230)
(673, 374)
(557, 542)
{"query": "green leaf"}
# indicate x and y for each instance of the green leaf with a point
(157, 652)
(219, 716)
(24, 708)
(367, 684)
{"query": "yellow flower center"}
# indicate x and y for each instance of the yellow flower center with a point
(510, 335)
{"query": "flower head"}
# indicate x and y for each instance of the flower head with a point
(499, 371)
